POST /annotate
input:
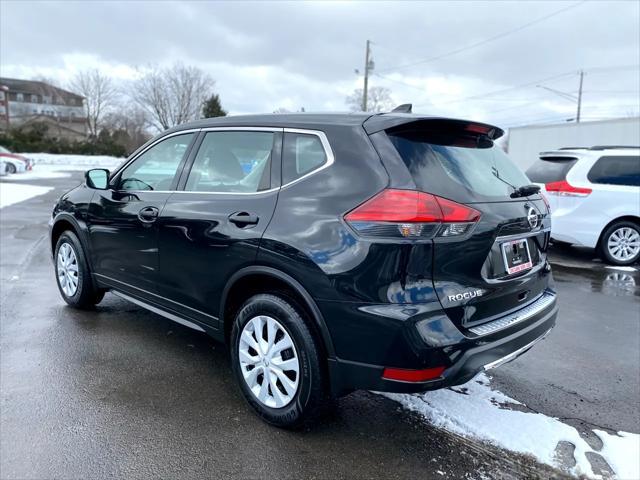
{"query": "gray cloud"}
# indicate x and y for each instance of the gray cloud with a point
(265, 55)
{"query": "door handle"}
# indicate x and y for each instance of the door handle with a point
(148, 214)
(243, 219)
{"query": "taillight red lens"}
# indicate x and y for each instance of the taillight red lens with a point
(563, 188)
(454, 212)
(404, 206)
(411, 214)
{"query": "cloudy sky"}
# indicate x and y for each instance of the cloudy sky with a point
(481, 60)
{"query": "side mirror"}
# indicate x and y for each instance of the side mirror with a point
(97, 178)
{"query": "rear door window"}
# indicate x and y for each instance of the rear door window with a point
(462, 167)
(550, 169)
(616, 170)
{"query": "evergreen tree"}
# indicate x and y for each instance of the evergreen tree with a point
(212, 107)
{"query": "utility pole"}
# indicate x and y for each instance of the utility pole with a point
(366, 78)
(579, 97)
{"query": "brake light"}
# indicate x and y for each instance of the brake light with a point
(411, 214)
(564, 189)
(406, 375)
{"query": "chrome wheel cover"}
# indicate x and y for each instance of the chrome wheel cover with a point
(67, 269)
(269, 361)
(624, 244)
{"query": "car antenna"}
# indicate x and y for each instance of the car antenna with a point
(404, 108)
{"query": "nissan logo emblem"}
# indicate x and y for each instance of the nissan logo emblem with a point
(532, 217)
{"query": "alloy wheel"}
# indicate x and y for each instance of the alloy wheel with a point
(67, 269)
(269, 361)
(624, 244)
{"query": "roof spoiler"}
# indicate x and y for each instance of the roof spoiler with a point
(399, 121)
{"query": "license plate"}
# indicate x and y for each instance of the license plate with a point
(516, 256)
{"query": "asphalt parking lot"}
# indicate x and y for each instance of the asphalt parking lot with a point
(121, 392)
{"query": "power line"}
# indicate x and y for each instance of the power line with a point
(486, 40)
(532, 83)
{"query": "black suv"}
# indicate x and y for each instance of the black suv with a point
(334, 252)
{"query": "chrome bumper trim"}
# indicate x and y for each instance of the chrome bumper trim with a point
(516, 317)
(514, 355)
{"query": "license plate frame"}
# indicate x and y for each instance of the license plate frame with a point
(516, 262)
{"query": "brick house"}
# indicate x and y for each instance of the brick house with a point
(26, 101)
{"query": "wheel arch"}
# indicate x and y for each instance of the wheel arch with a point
(251, 280)
(64, 222)
(623, 218)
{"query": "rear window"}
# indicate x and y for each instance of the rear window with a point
(441, 163)
(551, 169)
(622, 170)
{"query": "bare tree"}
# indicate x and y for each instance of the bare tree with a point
(378, 100)
(99, 94)
(128, 125)
(172, 95)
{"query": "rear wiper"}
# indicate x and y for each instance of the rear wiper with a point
(525, 191)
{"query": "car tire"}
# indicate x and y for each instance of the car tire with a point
(72, 273)
(297, 408)
(624, 235)
(11, 168)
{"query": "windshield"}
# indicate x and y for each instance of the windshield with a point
(4, 150)
(472, 162)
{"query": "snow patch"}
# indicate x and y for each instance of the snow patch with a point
(11, 193)
(622, 452)
(39, 172)
(484, 414)
(75, 162)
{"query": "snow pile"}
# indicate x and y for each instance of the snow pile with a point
(11, 193)
(80, 162)
(622, 452)
(475, 410)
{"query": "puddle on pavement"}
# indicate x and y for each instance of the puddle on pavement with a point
(606, 280)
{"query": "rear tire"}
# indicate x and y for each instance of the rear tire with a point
(268, 322)
(11, 168)
(620, 243)
(72, 273)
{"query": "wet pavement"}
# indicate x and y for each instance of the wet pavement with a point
(121, 392)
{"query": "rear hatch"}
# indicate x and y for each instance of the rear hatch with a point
(550, 173)
(498, 264)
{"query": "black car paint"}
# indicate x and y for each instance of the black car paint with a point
(376, 303)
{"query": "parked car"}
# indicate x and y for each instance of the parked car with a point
(15, 163)
(334, 252)
(594, 194)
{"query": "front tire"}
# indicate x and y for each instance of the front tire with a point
(11, 168)
(276, 361)
(72, 273)
(620, 243)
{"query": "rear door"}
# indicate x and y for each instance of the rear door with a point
(497, 265)
(212, 226)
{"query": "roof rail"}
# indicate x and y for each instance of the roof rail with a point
(611, 147)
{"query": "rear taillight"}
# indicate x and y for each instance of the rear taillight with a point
(564, 189)
(411, 214)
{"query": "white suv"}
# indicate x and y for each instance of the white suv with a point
(594, 195)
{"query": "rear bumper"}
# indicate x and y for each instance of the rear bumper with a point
(463, 359)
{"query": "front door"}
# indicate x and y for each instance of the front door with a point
(213, 227)
(123, 232)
